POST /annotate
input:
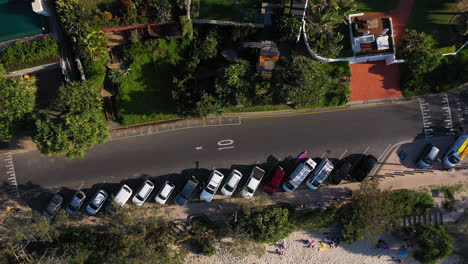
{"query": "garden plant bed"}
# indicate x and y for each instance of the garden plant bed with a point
(376, 5)
(220, 10)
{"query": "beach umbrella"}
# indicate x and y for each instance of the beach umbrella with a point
(403, 252)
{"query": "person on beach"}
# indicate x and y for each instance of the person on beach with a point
(281, 244)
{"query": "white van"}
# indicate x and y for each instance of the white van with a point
(457, 152)
(123, 195)
(298, 175)
(320, 174)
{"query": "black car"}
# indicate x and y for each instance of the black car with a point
(340, 172)
(186, 194)
(363, 168)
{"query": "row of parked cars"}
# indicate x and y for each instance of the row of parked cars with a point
(304, 167)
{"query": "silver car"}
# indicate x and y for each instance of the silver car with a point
(53, 206)
(74, 207)
(210, 190)
(96, 203)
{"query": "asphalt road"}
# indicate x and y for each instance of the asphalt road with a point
(329, 134)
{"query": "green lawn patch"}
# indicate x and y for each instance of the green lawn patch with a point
(145, 93)
(220, 10)
(376, 5)
(433, 17)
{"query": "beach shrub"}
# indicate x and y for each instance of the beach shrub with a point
(434, 243)
(316, 219)
(266, 224)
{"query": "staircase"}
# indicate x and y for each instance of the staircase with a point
(434, 217)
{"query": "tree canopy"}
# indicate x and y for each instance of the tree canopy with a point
(17, 99)
(288, 27)
(79, 125)
(434, 243)
(233, 87)
(306, 82)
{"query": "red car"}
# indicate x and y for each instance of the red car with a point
(275, 182)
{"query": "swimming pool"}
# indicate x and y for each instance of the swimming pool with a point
(18, 20)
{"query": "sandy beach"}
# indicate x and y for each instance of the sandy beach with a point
(361, 252)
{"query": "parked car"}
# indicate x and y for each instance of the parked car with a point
(53, 206)
(298, 175)
(427, 156)
(143, 193)
(364, 167)
(253, 182)
(320, 174)
(457, 152)
(97, 202)
(165, 192)
(232, 182)
(213, 184)
(340, 172)
(187, 193)
(124, 194)
(77, 201)
(275, 182)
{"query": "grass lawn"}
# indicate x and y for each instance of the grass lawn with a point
(376, 5)
(220, 10)
(433, 17)
(145, 94)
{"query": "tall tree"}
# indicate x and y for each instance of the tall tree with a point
(17, 99)
(80, 124)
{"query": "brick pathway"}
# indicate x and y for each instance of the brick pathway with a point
(377, 80)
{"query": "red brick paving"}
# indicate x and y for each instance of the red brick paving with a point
(376, 80)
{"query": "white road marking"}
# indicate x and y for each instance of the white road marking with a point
(323, 155)
(199, 148)
(384, 152)
(365, 151)
(226, 148)
(342, 155)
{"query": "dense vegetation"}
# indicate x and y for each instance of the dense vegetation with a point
(17, 99)
(373, 211)
(78, 124)
(434, 243)
(25, 54)
(120, 239)
(425, 70)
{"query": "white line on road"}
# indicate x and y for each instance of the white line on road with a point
(226, 148)
(384, 152)
(342, 155)
(323, 155)
(365, 151)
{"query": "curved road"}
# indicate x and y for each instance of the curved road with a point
(330, 134)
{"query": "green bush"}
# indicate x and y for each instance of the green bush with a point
(434, 243)
(30, 52)
(406, 203)
(316, 219)
(95, 71)
(267, 224)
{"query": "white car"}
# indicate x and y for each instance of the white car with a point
(231, 184)
(96, 203)
(124, 194)
(74, 207)
(210, 190)
(254, 180)
(165, 193)
(143, 194)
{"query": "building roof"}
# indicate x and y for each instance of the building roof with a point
(371, 34)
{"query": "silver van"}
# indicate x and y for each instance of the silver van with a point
(298, 175)
(320, 174)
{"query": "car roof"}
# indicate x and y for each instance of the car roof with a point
(433, 151)
(100, 197)
(279, 174)
(234, 178)
(217, 176)
(167, 188)
(147, 186)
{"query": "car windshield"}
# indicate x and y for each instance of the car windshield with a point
(73, 207)
(427, 160)
(162, 197)
(453, 159)
(210, 188)
(250, 190)
(316, 184)
(94, 206)
(289, 185)
(139, 197)
(228, 188)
